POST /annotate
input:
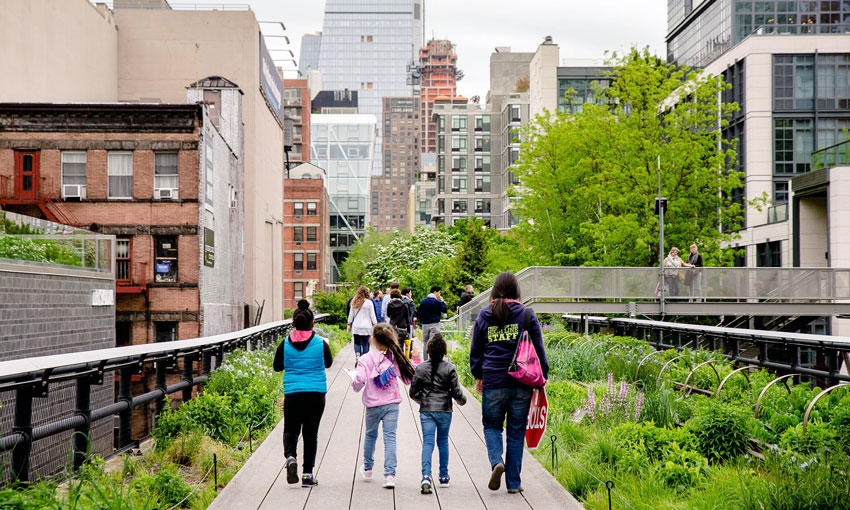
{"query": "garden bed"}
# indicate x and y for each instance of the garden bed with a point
(665, 438)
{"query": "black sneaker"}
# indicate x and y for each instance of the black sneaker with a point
(496, 477)
(514, 491)
(291, 470)
(425, 486)
(308, 480)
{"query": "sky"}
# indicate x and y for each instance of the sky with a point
(583, 29)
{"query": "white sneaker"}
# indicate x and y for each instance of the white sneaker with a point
(367, 473)
(389, 482)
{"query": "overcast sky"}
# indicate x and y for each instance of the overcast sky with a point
(583, 29)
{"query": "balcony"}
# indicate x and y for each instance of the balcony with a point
(835, 155)
(777, 213)
(292, 102)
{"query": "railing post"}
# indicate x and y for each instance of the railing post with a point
(206, 364)
(188, 376)
(762, 352)
(160, 384)
(219, 357)
(81, 433)
(125, 417)
(832, 366)
(22, 426)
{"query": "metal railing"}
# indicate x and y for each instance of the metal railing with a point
(784, 285)
(31, 378)
(834, 155)
(776, 350)
(777, 213)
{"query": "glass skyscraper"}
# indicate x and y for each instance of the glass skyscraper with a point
(344, 146)
(371, 46)
(309, 57)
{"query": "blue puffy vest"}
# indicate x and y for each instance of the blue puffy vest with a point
(304, 370)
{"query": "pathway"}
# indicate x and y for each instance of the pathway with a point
(261, 483)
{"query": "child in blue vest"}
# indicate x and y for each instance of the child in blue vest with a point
(303, 357)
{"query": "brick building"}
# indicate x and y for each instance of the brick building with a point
(166, 180)
(296, 110)
(401, 124)
(438, 65)
(306, 249)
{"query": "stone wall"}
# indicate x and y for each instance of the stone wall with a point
(47, 310)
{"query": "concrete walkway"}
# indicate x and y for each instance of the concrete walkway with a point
(261, 483)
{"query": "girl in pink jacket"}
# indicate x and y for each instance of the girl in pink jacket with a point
(378, 372)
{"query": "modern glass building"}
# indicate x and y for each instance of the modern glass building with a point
(699, 31)
(309, 57)
(372, 46)
(344, 145)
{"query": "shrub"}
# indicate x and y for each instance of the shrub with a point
(169, 423)
(721, 431)
(816, 484)
(664, 407)
(213, 414)
(654, 441)
(333, 303)
(681, 469)
(166, 486)
(183, 450)
(819, 437)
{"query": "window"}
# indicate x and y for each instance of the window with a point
(459, 143)
(297, 234)
(120, 170)
(482, 205)
(298, 290)
(441, 184)
(459, 206)
(769, 254)
(298, 208)
(482, 184)
(780, 192)
(833, 79)
(792, 144)
(515, 111)
(513, 155)
(311, 234)
(311, 208)
(311, 261)
(459, 184)
(123, 260)
(482, 123)
(441, 123)
(165, 175)
(123, 334)
(793, 82)
(165, 331)
(441, 143)
(459, 163)
(165, 262)
(482, 143)
(74, 172)
(459, 123)
(298, 261)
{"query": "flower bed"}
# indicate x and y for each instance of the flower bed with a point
(233, 414)
(664, 445)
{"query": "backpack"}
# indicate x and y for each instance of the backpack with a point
(525, 366)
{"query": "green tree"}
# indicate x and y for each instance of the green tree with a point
(589, 179)
(471, 260)
(365, 250)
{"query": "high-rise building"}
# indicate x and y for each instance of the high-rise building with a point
(400, 163)
(371, 47)
(344, 145)
(296, 114)
(438, 70)
(308, 59)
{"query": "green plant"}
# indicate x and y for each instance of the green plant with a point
(818, 438)
(183, 450)
(721, 431)
(334, 304)
(213, 414)
(170, 422)
(680, 468)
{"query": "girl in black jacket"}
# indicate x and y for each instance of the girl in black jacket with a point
(434, 385)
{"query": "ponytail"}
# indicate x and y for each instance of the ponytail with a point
(385, 335)
(436, 352)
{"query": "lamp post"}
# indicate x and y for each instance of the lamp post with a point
(660, 208)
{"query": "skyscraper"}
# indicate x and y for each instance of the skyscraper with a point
(401, 162)
(438, 67)
(371, 47)
(308, 59)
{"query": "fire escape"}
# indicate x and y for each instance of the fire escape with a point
(37, 203)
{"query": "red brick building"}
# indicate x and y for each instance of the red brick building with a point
(306, 248)
(296, 107)
(400, 118)
(164, 180)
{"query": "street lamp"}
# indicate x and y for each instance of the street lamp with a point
(660, 209)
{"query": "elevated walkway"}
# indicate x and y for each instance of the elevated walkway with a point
(721, 291)
(261, 483)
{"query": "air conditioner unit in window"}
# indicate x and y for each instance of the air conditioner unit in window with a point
(165, 193)
(77, 191)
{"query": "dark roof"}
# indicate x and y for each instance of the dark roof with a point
(214, 82)
(104, 117)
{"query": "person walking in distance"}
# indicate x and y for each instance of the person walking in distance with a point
(378, 373)
(398, 316)
(411, 306)
(303, 357)
(694, 275)
(361, 320)
(387, 298)
(431, 310)
(495, 338)
(435, 384)
(466, 296)
(376, 302)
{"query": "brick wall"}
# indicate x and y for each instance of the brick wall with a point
(304, 191)
(47, 311)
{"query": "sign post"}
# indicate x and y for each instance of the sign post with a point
(537, 417)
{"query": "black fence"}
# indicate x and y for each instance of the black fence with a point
(774, 350)
(31, 378)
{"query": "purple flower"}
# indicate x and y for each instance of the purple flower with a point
(638, 405)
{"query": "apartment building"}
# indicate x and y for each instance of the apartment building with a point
(401, 126)
(297, 107)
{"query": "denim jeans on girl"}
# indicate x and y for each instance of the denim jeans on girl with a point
(387, 414)
(439, 423)
(361, 344)
(495, 405)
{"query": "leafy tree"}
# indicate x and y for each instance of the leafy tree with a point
(471, 260)
(365, 250)
(406, 252)
(589, 179)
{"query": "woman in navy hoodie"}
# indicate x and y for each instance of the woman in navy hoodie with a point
(497, 331)
(303, 357)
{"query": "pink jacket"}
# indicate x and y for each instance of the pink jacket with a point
(371, 365)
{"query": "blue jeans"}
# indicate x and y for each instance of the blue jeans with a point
(495, 405)
(439, 423)
(361, 344)
(387, 414)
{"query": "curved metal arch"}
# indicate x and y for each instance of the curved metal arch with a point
(658, 379)
(574, 340)
(710, 363)
(815, 401)
(640, 364)
(730, 374)
(767, 386)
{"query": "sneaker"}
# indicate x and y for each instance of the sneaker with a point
(496, 477)
(389, 482)
(444, 481)
(291, 470)
(367, 473)
(425, 486)
(356, 359)
(308, 480)
(514, 491)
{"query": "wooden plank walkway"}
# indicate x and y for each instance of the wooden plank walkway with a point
(261, 483)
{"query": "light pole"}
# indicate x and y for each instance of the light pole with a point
(660, 208)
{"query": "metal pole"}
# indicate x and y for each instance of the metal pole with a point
(23, 426)
(660, 238)
(159, 384)
(125, 417)
(81, 433)
(188, 375)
